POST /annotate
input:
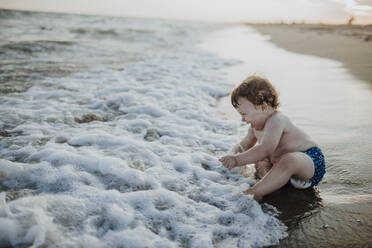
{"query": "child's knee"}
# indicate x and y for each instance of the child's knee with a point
(262, 168)
(260, 164)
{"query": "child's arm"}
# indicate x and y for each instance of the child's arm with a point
(249, 140)
(270, 140)
(273, 131)
(246, 143)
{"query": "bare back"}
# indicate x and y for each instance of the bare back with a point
(293, 139)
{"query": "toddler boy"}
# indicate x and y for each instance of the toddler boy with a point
(283, 151)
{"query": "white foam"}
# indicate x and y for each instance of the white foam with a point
(146, 173)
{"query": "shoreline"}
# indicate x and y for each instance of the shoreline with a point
(349, 44)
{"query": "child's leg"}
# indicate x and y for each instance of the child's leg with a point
(296, 164)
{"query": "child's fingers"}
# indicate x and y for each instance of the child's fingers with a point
(222, 160)
(231, 165)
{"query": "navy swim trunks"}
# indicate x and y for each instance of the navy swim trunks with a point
(319, 164)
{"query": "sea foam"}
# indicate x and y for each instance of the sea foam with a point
(143, 169)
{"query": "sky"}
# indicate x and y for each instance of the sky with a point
(326, 11)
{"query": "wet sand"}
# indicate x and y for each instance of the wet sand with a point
(349, 44)
(339, 212)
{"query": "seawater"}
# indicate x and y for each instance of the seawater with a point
(110, 137)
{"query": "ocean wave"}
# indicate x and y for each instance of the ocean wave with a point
(97, 32)
(35, 46)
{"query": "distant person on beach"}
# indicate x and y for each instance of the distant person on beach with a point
(283, 151)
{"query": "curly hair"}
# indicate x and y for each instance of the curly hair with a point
(257, 90)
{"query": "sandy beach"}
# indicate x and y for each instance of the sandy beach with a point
(349, 44)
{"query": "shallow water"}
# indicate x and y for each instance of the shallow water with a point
(335, 109)
(109, 137)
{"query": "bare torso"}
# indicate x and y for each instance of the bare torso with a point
(293, 139)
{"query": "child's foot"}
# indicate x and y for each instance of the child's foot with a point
(255, 196)
(262, 168)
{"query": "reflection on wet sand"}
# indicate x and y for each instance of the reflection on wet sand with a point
(294, 204)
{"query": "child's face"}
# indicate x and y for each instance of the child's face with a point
(249, 113)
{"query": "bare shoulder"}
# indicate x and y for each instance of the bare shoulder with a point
(278, 118)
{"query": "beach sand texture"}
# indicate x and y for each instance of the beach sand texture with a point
(349, 44)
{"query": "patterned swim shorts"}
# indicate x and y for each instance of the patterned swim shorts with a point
(319, 164)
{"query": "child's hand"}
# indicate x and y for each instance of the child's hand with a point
(229, 161)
